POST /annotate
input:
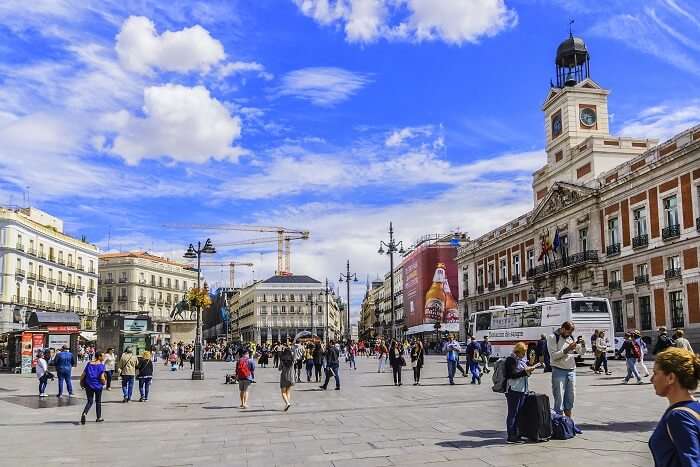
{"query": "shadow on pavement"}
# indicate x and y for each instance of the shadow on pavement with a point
(619, 426)
(484, 433)
(467, 444)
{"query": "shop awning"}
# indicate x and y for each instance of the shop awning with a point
(88, 335)
(48, 318)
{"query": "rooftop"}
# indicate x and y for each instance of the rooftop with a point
(291, 280)
(142, 255)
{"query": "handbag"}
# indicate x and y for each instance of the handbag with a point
(402, 361)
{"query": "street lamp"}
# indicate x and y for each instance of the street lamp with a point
(192, 253)
(348, 277)
(391, 248)
(325, 293)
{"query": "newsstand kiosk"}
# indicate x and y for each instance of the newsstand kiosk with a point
(45, 331)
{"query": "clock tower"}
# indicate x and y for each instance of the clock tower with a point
(579, 145)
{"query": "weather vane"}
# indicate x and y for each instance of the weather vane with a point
(571, 21)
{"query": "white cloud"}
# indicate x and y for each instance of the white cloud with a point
(322, 86)
(451, 21)
(236, 68)
(397, 137)
(140, 48)
(663, 121)
(183, 123)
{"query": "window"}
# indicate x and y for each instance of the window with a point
(588, 306)
(671, 211)
(618, 321)
(160, 282)
(516, 265)
(41, 271)
(645, 313)
(263, 310)
(184, 285)
(19, 264)
(492, 274)
(674, 263)
(284, 309)
(530, 259)
(80, 262)
(30, 268)
(483, 322)
(153, 280)
(122, 292)
(60, 257)
(642, 270)
(80, 281)
(177, 284)
(274, 309)
(639, 216)
(169, 283)
(41, 249)
(50, 273)
(481, 277)
(291, 309)
(19, 237)
(92, 267)
(50, 294)
(504, 269)
(613, 235)
(675, 302)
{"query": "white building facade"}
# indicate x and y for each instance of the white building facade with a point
(43, 269)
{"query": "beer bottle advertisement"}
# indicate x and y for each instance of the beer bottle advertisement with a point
(451, 313)
(435, 297)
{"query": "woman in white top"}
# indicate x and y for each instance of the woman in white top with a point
(601, 347)
(42, 372)
(108, 359)
(637, 338)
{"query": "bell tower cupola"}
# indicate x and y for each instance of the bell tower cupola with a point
(573, 62)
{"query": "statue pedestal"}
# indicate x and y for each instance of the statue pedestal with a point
(183, 331)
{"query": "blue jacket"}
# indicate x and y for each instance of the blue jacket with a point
(64, 361)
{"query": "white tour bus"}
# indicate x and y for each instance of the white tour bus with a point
(526, 322)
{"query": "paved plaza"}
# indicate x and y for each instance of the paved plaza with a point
(368, 423)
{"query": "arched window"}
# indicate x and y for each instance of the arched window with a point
(29, 293)
(19, 290)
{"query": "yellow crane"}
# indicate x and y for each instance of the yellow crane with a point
(283, 238)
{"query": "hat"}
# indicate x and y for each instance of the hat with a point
(637, 333)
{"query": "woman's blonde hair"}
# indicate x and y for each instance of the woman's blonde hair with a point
(146, 355)
(520, 348)
(682, 363)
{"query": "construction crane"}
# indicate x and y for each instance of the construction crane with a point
(232, 268)
(283, 238)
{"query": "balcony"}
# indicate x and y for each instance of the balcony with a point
(105, 299)
(615, 285)
(31, 275)
(613, 250)
(151, 301)
(503, 283)
(575, 260)
(91, 271)
(108, 281)
(20, 273)
(142, 282)
(465, 293)
(61, 261)
(52, 259)
(491, 286)
(42, 255)
(70, 264)
(479, 289)
(674, 273)
(123, 298)
(161, 302)
(32, 251)
(20, 246)
(515, 278)
(640, 241)
(81, 267)
(52, 281)
(142, 300)
(80, 288)
(671, 232)
(92, 291)
(641, 280)
(41, 278)
(123, 280)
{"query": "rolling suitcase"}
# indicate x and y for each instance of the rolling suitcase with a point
(535, 418)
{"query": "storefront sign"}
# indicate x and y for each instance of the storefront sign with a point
(69, 329)
(139, 325)
(56, 341)
(37, 345)
(26, 353)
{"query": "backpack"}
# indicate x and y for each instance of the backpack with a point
(562, 427)
(242, 369)
(636, 350)
(499, 376)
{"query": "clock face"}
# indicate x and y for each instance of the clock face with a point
(588, 117)
(556, 125)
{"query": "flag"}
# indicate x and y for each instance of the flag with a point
(557, 241)
(543, 249)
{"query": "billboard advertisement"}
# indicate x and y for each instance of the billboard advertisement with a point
(429, 284)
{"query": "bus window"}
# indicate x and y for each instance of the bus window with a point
(532, 316)
(483, 322)
(515, 318)
(505, 319)
(589, 306)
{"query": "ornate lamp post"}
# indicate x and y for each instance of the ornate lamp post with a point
(348, 277)
(391, 248)
(325, 292)
(192, 253)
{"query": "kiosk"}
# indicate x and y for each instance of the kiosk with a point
(122, 330)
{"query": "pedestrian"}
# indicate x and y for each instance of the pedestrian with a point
(332, 356)
(681, 342)
(245, 374)
(474, 358)
(543, 353)
(309, 361)
(145, 371)
(276, 355)
(190, 357)
(352, 352)
(127, 372)
(109, 361)
(632, 355)
(93, 380)
(467, 360)
(453, 349)
(382, 352)
(601, 348)
(417, 360)
(42, 372)
(64, 361)
(637, 338)
(676, 439)
(286, 368)
(516, 374)
(663, 342)
(298, 361)
(594, 342)
(318, 361)
(486, 351)
(396, 361)
(173, 359)
(562, 353)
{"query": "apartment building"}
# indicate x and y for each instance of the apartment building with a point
(43, 269)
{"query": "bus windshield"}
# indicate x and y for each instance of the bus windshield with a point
(589, 306)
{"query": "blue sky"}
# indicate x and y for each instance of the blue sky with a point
(334, 116)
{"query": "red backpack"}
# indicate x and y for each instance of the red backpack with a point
(242, 369)
(636, 351)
